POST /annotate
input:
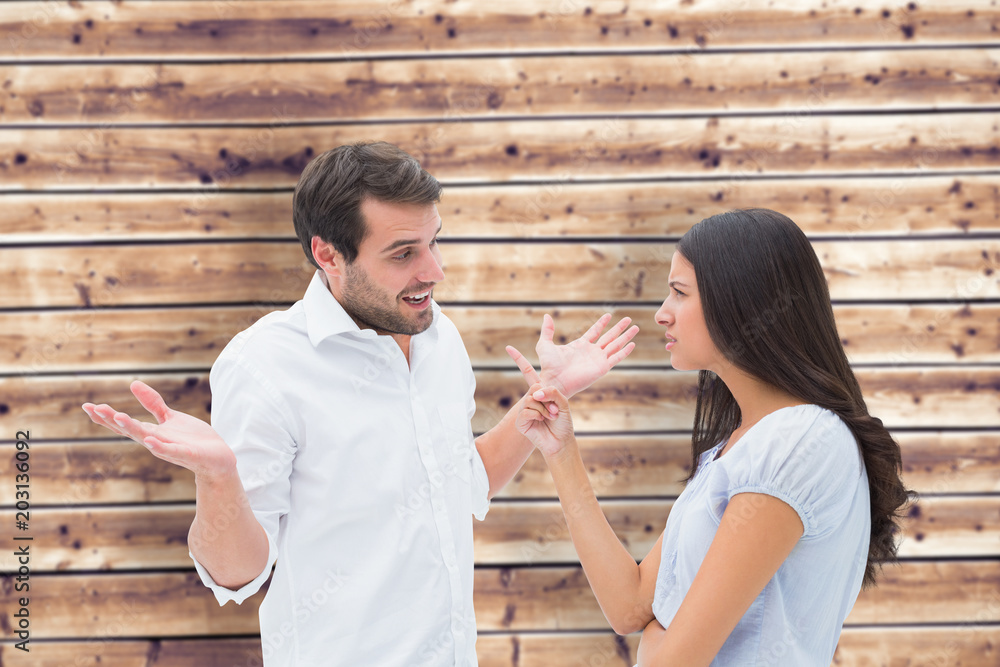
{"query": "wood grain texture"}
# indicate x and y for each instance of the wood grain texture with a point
(177, 604)
(39, 341)
(353, 30)
(155, 537)
(607, 273)
(967, 645)
(120, 472)
(207, 160)
(855, 207)
(460, 89)
(626, 400)
(115, 471)
(147, 156)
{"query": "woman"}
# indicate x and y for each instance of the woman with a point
(794, 491)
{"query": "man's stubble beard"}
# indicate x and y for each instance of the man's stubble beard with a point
(370, 307)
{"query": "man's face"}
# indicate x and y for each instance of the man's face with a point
(389, 285)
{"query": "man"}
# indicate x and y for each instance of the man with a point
(342, 446)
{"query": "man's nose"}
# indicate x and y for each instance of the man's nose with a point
(431, 271)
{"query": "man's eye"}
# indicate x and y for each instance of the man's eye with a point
(401, 257)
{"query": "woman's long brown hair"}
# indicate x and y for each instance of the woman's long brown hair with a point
(767, 308)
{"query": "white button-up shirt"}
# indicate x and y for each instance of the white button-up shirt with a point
(364, 473)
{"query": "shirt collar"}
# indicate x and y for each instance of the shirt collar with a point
(325, 316)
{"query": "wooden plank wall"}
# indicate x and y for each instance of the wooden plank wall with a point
(148, 151)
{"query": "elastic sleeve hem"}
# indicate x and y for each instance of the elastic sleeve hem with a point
(805, 516)
(223, 594)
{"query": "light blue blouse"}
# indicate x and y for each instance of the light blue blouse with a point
(806, 456)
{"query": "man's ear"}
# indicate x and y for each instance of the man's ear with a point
(331, 261)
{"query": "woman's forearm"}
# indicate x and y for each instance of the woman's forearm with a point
(612, 571)
(649, 645)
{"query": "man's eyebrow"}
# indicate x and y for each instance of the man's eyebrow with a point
(405, 242)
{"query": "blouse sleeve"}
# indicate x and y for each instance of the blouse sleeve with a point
(805, 456)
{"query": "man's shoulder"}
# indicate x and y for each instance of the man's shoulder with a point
(269, 333)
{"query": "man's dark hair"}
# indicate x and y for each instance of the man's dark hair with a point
(327, 199)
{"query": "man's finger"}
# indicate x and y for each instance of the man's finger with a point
(615, 331)
(527, 370)
(131, 427)
(596, 328)
(101, 415)
(551, 395)
(151, 400)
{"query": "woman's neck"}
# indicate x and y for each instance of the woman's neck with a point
(756, 398)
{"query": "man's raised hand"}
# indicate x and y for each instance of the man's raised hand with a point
(573, 367)
(177, 437)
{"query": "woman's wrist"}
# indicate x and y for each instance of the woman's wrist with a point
(567, 453)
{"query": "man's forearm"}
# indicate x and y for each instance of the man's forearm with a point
(504, 450)
(225, 536)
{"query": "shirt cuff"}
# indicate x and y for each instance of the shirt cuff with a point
(480, 485)
(223, 594)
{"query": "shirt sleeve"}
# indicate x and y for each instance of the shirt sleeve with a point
(251, 416)
(480, 480)
(810, 460)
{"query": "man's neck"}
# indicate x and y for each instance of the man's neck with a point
(402, 340)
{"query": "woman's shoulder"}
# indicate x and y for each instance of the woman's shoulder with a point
(803, 427)
(805, 455)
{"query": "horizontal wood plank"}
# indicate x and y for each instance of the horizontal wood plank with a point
(121, 472)
(609, 273)
(461, 89)
(966, 645)
(354, 30)
(186, 338)
(856, 207)
(207, 160)
(626, 400)
(175, 604)
(969, 645)
(155, 537)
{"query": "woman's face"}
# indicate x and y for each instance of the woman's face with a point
(688, 342)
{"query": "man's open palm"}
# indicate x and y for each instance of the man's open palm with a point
(177, 437)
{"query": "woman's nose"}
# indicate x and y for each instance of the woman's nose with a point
(663, 315)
